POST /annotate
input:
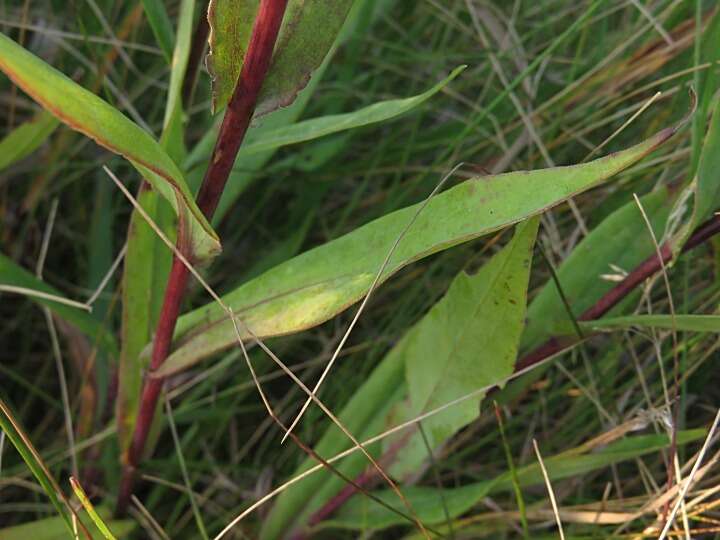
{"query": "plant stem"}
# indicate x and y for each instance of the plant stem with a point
(237, 118)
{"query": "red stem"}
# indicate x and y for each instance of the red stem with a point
(232, 132)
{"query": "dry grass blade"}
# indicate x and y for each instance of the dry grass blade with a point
(689, 481)
(551, 493)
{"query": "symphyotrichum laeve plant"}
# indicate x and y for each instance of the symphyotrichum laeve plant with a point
(354, 268)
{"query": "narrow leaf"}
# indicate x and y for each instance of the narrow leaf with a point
(161, 26)
(26, 138)
(326, 125)
(87, 113)
(468, 340)
(316, 285)
(308, 31)
(22, 444)
(12, 274)
(684, 323)
(90, 509)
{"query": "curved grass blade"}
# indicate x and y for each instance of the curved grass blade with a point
(314, 128)
(316, 285)
(87, 113)
(12, 274)
(326, 125)
(90, 509)
(26, 138)
(12, 429)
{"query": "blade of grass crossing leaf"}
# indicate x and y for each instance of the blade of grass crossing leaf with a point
(318, 284)
(90, 509)
(161, 26)
(326, 125)
(87, 113)
(54, 528)
(13, 275)
(26, 138)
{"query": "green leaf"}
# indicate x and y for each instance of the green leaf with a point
(87, 113)
(622, 240)
(12, 274)
(54, 529)
(307, 33)
(316, 285)
(683, 323)
(161, 26)
(26, 138)
(326, 125)
(468, 340)
(361, 513)
(31, 457)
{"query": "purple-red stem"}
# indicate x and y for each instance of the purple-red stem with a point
(551, 347)
(237, 118)
(647, 268)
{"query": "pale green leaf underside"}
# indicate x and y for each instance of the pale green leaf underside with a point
(307, 33)
(26, 138)
(87, 113)
(467, 341)
(316, 285)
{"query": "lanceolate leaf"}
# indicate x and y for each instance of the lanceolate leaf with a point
(313, 287)
(325, 125)
(85, 112)
(314, 128)
(468, 341)
(54, 529)
(26, 138)
(308, 31)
